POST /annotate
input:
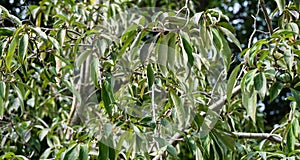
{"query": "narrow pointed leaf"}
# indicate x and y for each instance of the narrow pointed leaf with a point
(23, 47)
(231, 36)
(150, 75)
(10, 52)
(231, 81)
(275, 90)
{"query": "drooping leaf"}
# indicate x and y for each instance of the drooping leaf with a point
(296, 95)
(146, 49)
(162, 143)
(83, 152)
(107, 96)
(46, 153)
(11, 50)
(231, 82)
(275, 90)
(189, 51)
(281, 5)
(290, 140)
(7, 31)
(226, 53)
(248, 80)
(217, 39)
(56, 45)
(23, 47)
(178, 107)
(2, 89)
(231, 36)
(1, 108)
(20, 97)
(128, 38)
(295, 127)
(150, 75)
(260, 83)
(95, 72)
(40, 33)
(72, 153)
(82, 57)
(198, 155)
(171, 50)
(163, 51)
(43, 133)
(249, 100)
(297, 3)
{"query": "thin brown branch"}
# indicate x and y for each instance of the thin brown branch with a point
(267, 18)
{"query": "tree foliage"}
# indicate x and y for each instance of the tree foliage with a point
(112, 80)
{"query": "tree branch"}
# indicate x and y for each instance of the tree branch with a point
(267, 18)
(272, 137)
(218, 105)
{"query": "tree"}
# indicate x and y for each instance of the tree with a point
(112, 80)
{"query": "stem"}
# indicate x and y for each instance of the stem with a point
(267, 18)
(272, 137)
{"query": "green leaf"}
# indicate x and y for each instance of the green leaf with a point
(11, 51)
(248, 80)
(231, 82)
(61, 36)
(226, 53)
(46, 153)
(56, 44)
(23, 47)
(2, 89)
(1, 108)
(129, 38)
(172, 151)
(171, 50)
(72, 153)
(7, 31)
(290, 140)
(217, 39)
(146, 49)
(150, 75)
(43, 133)
(162, 143)
(295, 126)
(260, 83)
(84, 152)
(71, 88)
(231, 36)
(281, 5)
(163, 51)
(275, 90)
(297, 4)
(39, 32)
(103, 151)
(296, 95)
(178, 108)
(20, 97)
(249, 100)
(199, 155)
(189, 51)
(95, 72)
(82, 57)
(107, 96)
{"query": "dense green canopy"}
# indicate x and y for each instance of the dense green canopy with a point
(149, 80)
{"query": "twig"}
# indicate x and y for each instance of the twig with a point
(254, 26)
(267, 18)
(272, 137)
(219, 103)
